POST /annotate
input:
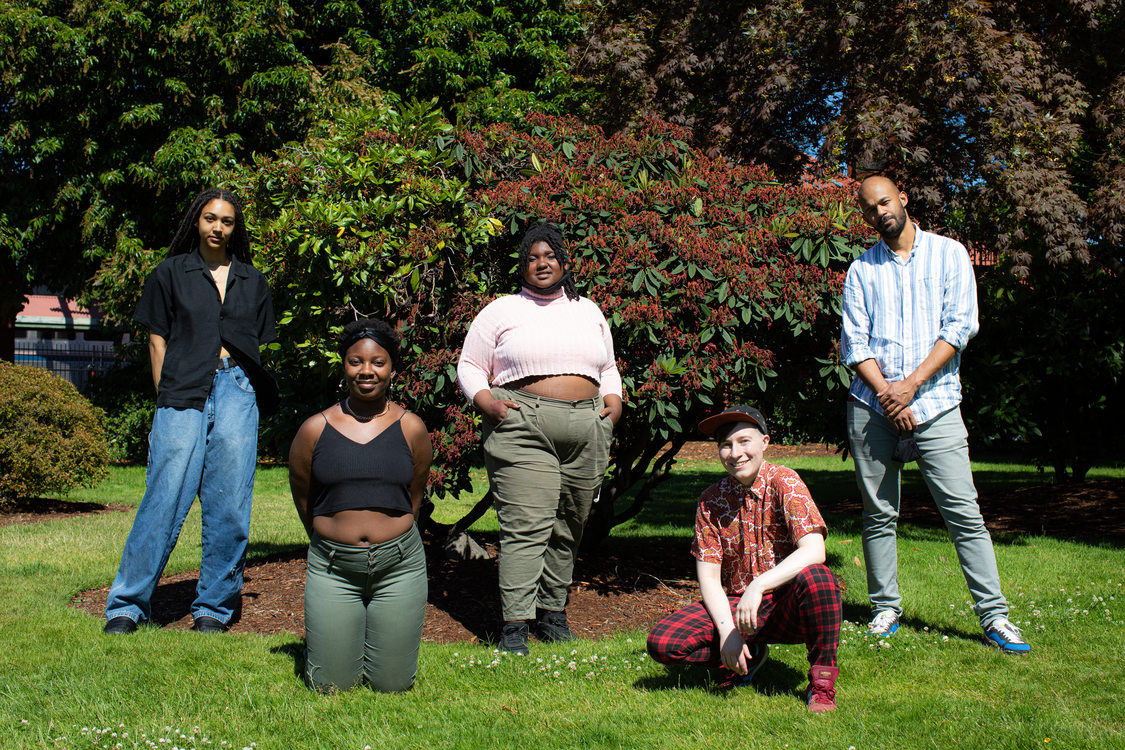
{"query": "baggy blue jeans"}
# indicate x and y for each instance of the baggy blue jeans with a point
(210, 453)
(944, 446)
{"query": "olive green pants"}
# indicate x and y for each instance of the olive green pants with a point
(364, 609)
(546, 461)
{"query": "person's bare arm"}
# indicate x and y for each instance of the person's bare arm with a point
(300, 469)
(423, 452)
(493, 409)
(869, 372)
(733, 651)
(613, 407)
(157, 346)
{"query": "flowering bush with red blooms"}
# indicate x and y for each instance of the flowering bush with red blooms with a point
(721, 284)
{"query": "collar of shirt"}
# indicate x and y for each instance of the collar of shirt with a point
(194, 262)
(757, 490)
(915, 248)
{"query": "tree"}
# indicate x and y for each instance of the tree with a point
(115, 114)
(1005, 120)
(370, 217)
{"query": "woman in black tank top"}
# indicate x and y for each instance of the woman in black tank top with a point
(358, 471)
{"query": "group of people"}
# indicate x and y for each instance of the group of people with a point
(539, 365)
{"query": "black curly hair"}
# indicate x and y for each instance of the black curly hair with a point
(377, 330)
(187, 236)
(552, 235)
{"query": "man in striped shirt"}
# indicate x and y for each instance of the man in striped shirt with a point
(910, 307)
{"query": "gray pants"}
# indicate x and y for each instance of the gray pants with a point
(364, 609)
(545, 462)
(944, 463)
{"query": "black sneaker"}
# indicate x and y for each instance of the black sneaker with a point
(121, 625)
(552, 627)
(206, 624)
(513, 638)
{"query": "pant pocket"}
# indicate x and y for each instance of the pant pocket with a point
(241, 380)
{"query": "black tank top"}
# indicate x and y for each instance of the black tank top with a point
(351, 475)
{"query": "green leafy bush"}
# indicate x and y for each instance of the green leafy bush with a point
(720, 283)
(51, 439)
(125, 397)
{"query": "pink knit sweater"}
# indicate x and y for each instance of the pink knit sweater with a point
(528, 335)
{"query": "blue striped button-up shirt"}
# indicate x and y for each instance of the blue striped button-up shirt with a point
(896, 310)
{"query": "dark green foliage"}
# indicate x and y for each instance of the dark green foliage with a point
(721, 284)
(127, 402)
(1005, 120)
(1048, 367)
(51, 439)
(115, 113)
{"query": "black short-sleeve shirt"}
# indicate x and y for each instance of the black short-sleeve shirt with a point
(180, 302)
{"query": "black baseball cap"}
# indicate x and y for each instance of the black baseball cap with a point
(737, 413)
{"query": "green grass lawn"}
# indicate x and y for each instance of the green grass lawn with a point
(65, 685)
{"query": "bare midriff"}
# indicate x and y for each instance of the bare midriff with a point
(563, 387)
(362, 527)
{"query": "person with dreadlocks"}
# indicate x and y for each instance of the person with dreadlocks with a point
(208, 311)
(539, 365)
(358, 471)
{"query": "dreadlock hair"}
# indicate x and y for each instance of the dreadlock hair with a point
(187, 236)
(552, 235)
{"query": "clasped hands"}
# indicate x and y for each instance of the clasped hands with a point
(895, 400)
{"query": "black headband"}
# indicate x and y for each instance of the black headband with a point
(379, 337)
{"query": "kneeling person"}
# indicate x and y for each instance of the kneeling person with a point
(759, 536)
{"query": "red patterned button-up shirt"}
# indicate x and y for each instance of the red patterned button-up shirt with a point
(749, 531)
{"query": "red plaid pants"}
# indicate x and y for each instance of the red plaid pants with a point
(805, 610)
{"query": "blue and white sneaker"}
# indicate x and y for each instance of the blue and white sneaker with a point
(884, 624)
(1005, 636)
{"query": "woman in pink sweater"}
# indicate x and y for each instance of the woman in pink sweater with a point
(539, 366)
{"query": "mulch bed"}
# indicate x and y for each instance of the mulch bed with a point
(619, 588)
(36, 509)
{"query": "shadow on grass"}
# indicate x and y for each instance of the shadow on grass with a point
(774, 678)
(296, 652)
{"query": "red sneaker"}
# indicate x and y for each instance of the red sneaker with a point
(822, 688)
